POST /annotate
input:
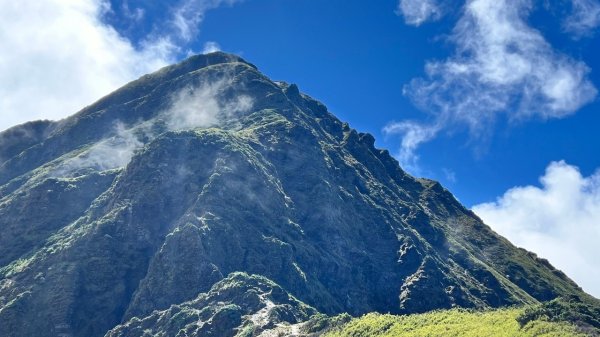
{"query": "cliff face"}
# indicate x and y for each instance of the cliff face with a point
(159, 191)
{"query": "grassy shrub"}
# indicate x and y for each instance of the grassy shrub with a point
(583, 314)
(456, 322)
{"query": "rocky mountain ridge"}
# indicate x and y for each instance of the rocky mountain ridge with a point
(166, 188)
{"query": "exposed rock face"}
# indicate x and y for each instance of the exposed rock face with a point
(157, 192)
(240, 305)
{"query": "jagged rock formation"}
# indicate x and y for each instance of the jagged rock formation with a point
(154, 194)
(239, 305)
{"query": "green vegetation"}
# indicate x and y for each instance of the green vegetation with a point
(456, 322)
(583, 313)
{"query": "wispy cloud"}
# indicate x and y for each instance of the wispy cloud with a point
(501, 67)
(413, 135)
(558, 220)
(210, 47)
(188, 14)
(584, 17)
(202, 106)
(114, 152)
(416, 12)
(450, 175)
(57, 56)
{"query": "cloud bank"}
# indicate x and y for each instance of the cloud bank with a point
(559, 221)
(501, 67)
(56, 56)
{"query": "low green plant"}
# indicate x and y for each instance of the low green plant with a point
(574, 310)
(455, 323)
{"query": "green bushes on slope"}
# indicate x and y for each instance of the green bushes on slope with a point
(583, 313)
(455, 322)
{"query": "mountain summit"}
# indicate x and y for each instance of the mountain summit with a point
(207, 200)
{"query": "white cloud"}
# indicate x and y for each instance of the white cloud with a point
(188, 15)
(202, 106)
(113, 152)
(211, 47)
(413, 134)
(416, 12)
(135, 14)
(559, 221)
(56, 56)
(501, 67)
(584, 18)
(450, 175)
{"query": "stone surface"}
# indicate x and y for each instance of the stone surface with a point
(239, 305)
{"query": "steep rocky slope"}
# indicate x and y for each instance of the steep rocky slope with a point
(248, 305)
(159, 191)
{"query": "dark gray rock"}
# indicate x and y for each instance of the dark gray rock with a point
(239, 305)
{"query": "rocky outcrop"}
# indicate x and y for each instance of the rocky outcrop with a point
(239, 305)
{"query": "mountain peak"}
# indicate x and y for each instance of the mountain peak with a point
(149, 198)
(200, 61)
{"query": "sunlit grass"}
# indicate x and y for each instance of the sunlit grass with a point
(448, 323)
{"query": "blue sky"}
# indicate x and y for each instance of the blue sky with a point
(487, 97)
